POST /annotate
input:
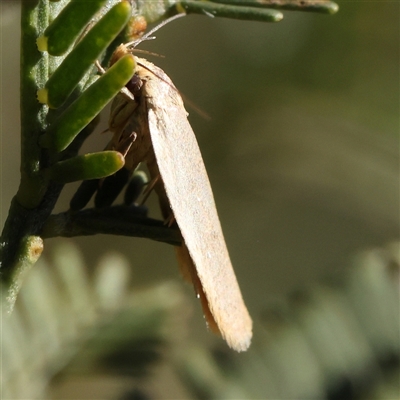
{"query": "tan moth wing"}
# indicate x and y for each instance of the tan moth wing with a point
(190, 196)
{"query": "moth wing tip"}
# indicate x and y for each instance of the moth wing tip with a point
(240, 345)
(240, 341)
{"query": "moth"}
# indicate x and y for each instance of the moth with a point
(152, 118)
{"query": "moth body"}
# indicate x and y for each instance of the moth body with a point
(165, 141)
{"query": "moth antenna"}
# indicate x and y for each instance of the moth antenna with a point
(189, 102)
(148, 36)
(151, 71)
(150, 53)
(195, 107)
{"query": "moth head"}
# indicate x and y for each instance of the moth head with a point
(119, 52)
(135, 85)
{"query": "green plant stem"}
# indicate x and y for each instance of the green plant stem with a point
(23, 222)
(28, 205)
(34, 15)
(36, 196)
(20, 224)
(116, 220)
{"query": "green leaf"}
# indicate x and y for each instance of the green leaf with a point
(84, 109)
(84, 193)
(88, 166)
(67, 76)
(65, 29)
(135, 187)
(229, 11)
(322, 6)
(111, 187)
(253, 10)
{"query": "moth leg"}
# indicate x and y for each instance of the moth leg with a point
(126, 143)
(158, 186)
(170, 220)
(100, 69)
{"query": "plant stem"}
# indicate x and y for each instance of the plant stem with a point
(116, 220)
(36, 197)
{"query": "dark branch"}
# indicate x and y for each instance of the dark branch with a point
(116, 220)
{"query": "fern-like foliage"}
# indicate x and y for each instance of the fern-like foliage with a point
(337, 340)
(65, 321)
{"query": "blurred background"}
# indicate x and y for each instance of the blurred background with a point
(302, 145)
